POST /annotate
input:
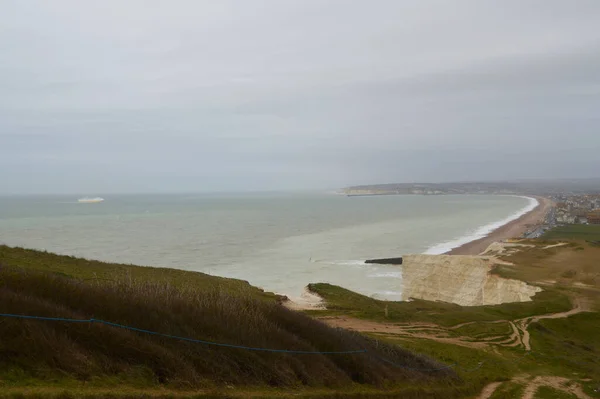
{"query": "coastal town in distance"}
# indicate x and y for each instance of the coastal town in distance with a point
(573, 201)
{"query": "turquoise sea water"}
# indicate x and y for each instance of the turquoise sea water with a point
(280, 242)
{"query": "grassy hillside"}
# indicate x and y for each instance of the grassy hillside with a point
(487, 342)
(569, 267)
(574, 232)
(481, 341)
(59, 355)
(342, 301)
(574, 341)
(39, 359)
(96, 271)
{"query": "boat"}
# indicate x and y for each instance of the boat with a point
(88, 200)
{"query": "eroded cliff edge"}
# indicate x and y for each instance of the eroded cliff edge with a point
(464, 280)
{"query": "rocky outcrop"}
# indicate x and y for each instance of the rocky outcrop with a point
(464, 280)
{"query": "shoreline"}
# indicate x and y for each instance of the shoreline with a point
(512, 229)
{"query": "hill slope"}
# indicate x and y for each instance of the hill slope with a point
(57, 353)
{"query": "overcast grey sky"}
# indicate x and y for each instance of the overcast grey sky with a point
(142, 96)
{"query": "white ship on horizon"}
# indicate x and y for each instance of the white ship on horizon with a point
(88, 200)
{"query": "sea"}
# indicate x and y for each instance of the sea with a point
(277, 241)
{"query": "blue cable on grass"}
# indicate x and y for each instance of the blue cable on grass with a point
(22, 316)
(198, 341)
(108, 323)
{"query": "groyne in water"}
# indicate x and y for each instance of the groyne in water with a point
(386, 261)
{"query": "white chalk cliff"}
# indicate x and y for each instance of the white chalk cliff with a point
(464, 280)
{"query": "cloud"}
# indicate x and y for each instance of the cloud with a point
(201, 95)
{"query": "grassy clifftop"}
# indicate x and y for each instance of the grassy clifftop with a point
(93, 357)
(551, 341)
(575, 232)
(98, 272)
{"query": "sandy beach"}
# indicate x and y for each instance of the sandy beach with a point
(510, 230)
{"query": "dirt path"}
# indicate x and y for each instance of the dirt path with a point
(560, 244)
(477, 322)
(524, 324)
(489, 390)
(436, 333)
(519, 337)
(441, 334)
(558, 383)
(532, 385)
(515, 336)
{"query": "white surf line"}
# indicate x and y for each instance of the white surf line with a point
(483, 231)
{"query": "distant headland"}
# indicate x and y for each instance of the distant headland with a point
(518, 187)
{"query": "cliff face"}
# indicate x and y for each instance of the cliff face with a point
(464, 280)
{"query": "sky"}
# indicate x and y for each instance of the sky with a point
(194, 96)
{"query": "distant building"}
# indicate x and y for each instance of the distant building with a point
(564, 217)
(594, 217)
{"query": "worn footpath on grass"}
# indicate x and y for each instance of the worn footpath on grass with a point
(537, 348)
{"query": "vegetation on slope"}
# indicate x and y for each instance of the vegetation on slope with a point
(92, 270)
(184, 304)
(545, 392)
(574, 341)
(567, 348)
(342, 301)
(574, 232)
(567, 267)
(231, 311)
(508, 390)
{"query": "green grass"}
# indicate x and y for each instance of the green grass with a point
(592, 387)
(49, 359)
(562, 347)
(573, 343)
(545, 392)
(484, 330)
(589, 232)
(238, 392)
(562, 356)
(340, 300)
(571, 269)
(58, 355)
(91, 271)
(508, 390)
(475, 366)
